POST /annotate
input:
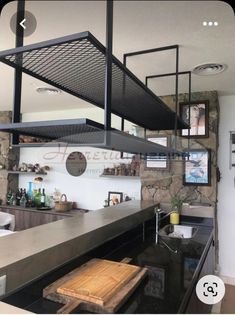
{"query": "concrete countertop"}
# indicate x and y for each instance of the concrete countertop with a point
(52, 211)
(29, 254)
(9, 309)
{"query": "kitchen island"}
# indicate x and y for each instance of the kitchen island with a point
(173, 271)
(29, 254)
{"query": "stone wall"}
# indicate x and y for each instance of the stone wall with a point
(161, 185)
(8, 157)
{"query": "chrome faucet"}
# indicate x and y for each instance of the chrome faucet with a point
(158, 212)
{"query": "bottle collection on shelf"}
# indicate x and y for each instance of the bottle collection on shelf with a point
(36, 198)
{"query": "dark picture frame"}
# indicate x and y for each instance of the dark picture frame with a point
(114, 198)
(155, 163)
(197, 167)
(199, 119)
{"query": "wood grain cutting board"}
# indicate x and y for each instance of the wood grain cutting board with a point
(98, 286)
(98, 281)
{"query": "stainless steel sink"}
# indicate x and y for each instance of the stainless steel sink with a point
(178, 231)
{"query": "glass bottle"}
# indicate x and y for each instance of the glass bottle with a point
(13, 200)
(18, 197)
(43, 198)
(37, 198)
(30, 190)
(9, 195)
(23, 201)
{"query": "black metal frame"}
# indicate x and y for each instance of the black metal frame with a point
(83, 132)
(189, 73)
(156, 103)
(153, 50)
(19, 41)
(108, 72)
(177, 73)
(15, 58)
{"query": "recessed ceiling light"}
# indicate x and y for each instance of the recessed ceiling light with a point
(48, 90)
(209, 69)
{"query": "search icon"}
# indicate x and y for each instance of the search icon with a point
(210, 289)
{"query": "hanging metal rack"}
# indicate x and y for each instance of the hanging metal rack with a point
(81, 66)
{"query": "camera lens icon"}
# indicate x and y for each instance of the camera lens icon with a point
(210, 289)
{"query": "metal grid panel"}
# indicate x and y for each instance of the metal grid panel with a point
(76, 64)
(84, 132)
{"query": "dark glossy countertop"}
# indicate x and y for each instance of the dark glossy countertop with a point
(170, 278)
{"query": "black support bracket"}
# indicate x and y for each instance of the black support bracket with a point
(154, 50)
(189, 73)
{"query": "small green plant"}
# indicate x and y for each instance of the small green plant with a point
(176, 202)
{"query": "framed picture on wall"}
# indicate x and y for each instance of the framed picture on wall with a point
(159, 162)
(197, 168)
(196, 115)
(114, 198)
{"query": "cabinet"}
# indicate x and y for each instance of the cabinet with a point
(195, 306)
(28, 218)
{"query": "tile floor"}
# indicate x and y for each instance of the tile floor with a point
(228, 302)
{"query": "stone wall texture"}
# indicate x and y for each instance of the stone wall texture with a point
(8, 157)
(161, 185)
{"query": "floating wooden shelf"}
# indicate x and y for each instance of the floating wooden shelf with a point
(25, 173)
(120, 176)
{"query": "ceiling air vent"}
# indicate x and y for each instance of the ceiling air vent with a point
(209, 69)
(47, 90)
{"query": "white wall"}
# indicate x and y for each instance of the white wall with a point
(226, 192)
(88, 190)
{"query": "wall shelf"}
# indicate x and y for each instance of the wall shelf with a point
(25, 173)
(76, 65)
(120, 176)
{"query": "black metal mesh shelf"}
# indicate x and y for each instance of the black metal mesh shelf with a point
(76, 65)
(83, 132)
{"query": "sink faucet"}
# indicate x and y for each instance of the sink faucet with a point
(158, 213)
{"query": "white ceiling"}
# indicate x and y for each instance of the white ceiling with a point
(137, 25)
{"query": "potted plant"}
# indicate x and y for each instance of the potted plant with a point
(176, 203)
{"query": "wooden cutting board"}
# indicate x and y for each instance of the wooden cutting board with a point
(98, 281)
(99, 286)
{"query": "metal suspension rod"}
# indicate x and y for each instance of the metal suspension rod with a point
(166, 75)
(152, 50)
(189, 102)
(18, 73)
(108, 66)
(124, 91)
(176, 91)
